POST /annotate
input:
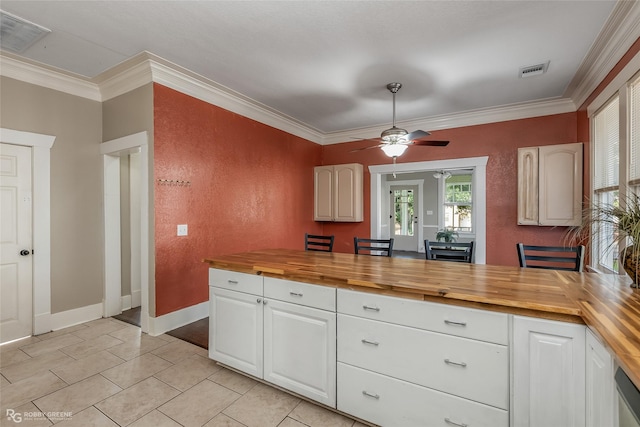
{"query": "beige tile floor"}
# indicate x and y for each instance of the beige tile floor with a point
(106, 373)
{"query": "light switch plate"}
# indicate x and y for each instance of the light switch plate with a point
(182, 229)
(429, 212)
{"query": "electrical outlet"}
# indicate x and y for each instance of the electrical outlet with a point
(182, 230)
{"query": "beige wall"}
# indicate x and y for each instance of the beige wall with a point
(124, 115)
(76, 185)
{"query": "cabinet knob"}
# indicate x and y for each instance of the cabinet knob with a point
(259, 300)
(264, 302)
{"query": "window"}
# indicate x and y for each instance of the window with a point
(606, 125)
(615, 162)
(458, 206)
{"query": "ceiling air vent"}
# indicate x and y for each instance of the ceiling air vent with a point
(533, 70)
(17, 34)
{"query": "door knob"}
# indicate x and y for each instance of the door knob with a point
(25, 252)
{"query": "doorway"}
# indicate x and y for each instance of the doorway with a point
(380, 215)
(112, 152)
(404, 201)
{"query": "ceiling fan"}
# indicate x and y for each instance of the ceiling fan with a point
(395, 140)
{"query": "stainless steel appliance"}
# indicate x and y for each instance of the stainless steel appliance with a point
(628, 401)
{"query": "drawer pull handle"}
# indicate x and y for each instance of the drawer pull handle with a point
(375, 396)
(370, 342)
(232, 282)
(448, 421)
(451, 322)
(449, 362)
(366, 307)
(295, 294)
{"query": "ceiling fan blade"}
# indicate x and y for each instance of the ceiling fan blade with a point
(431, 143)
(366, 148)
(417, 134)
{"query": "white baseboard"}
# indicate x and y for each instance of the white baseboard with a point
(136, 298)
(76, 316)
(160, 325)
(125, 302)
(41, 323)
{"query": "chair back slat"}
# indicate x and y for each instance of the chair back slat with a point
(316, 242)
(551, 257)
(375, 247)
(442, 251)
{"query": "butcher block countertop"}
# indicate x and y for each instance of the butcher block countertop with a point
(605, 303)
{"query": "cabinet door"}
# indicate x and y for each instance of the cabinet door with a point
(323, 193)
(528, 186)
(347, 189)
(235, 330)
(600, 388)
(560, 184)
(548, 373)
(300, 350)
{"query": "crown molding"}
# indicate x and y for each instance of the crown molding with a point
(621, 30)
(41, 75)
(469, 118)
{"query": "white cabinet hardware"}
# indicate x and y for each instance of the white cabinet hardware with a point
(366, 393)
(450, 362)
(448, 421)
(451, 322)
(370, 342)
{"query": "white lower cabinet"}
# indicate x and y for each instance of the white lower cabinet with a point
(387, 401)
(600, 384)
(300, 350)
(290, 343)
(548, 373)
(412, 363)
(235, 330)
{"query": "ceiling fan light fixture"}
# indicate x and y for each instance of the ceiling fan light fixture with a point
(394, 134)
(394, 150)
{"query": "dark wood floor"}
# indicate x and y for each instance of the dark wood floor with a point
(196, 333)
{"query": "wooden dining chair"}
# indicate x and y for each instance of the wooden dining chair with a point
(316, 242)
(375, 247)
(551, 257)
(442, 251)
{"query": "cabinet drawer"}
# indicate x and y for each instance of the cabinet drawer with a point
(467, 368)
(459, 321)
(316, 296)
(241, 282)
(390, 402)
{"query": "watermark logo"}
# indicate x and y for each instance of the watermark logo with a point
(18, 417)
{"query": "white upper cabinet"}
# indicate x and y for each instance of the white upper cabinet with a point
(338, 193)
(550, 185)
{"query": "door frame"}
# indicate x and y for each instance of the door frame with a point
(479, 164)
(111, 151)
(41, 186)
(420, 184)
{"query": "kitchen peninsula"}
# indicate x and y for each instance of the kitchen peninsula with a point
(460, 336)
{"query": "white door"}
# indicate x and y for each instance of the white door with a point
(404, 217)
(16, 265)
(235, 330)
(300, 350)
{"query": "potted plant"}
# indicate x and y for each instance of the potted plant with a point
(448, 235)
(624, 221)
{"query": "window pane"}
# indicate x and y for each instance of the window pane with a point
(606, 249)
(634, 128)
(606, 132)
(403, 222)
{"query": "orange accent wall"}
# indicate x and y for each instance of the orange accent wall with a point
(251, 188)
(500, 141)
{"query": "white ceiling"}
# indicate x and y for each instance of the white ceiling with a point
(326, 63)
